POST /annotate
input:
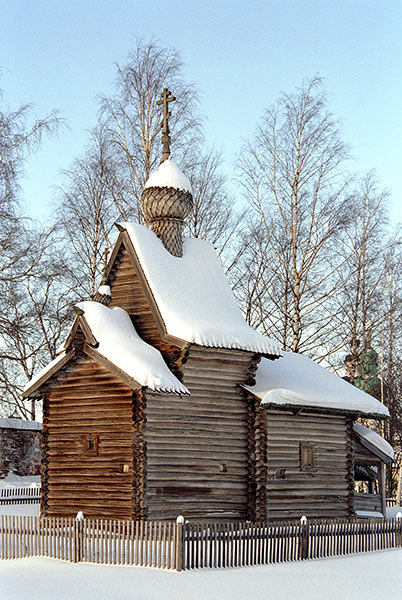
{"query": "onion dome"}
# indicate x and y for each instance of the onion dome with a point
(166, 202)
(167, 198)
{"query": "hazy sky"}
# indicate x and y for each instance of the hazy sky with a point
(240, 54)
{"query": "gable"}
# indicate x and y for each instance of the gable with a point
(130, 292)
(109, 337)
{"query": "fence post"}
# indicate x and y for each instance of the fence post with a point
(179, 557)
(78, 529)
(399, 523)
(304, 540)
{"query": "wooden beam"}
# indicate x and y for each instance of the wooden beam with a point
(381, 483)
(319, 409)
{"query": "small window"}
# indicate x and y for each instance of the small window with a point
(307, 462)
(90, 444)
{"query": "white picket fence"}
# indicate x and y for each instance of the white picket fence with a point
(21, 495)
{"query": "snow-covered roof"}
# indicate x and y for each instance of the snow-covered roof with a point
(121, 345)
(374, 439)
(193, 295)
(13, 423)
(296, 380)
(56, 362)
(168, 174)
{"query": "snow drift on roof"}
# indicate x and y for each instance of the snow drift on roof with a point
(297, 380)
(193, 295)
(122, 346)
(375, 439)
(168, 174)
(13, 423)
(59, 358)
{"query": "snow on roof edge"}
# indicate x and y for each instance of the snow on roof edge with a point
(296, 380)
(53, 363)
(22, 424)
(120, 344)
(375, 439)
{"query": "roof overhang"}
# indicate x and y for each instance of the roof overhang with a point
(301, 408)
(373, 448)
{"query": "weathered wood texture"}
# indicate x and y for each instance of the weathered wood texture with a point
(323, 492)
(127, 293)
(197, 447)
(364, 455)
(88, 400)
(368, 502)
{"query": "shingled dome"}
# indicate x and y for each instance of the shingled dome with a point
(167, 201)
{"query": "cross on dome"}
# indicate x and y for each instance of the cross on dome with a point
(166, 97)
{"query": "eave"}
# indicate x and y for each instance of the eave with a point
(29, 392)
(299, 408)
(373, 449)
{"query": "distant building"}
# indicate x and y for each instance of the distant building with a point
(20, 443)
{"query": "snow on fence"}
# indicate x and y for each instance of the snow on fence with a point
(392, 502)
(20, 495)
(182, 546)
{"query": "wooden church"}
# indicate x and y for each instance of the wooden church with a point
(164, 401)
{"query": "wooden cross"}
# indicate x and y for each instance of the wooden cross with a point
(166, 98)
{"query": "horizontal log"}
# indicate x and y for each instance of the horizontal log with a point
(208, 367)
(91, 496)
(94, 503)
(99, 486)
(68, 435)
(205, 436)
(200, 400)
(201, 351)
(86, 478)
(184, 448)
(194, 503)
(183, 459)
(162, 414)
(196, 424)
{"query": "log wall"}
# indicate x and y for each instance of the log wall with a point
(198, 446)
(86, 399)
(327, 491)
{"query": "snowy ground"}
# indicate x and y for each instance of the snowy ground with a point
(373, 576)
(369, 576)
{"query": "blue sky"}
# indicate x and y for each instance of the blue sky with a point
(240, 54)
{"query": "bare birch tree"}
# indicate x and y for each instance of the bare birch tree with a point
(32, 324)
(364, 251)
(292, 177)
(87, 212)
(214, 216)
(133, 119)
(106, 183)
(22, 249)
(19, 136)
